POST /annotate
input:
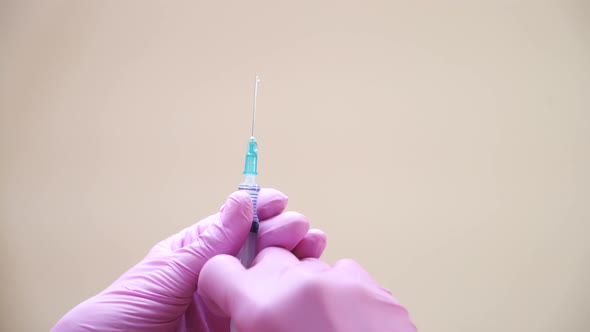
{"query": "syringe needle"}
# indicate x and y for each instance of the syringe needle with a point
(256, 80)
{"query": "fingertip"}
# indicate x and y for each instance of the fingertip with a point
(285, 230)
(271, 193)
(271, 202)
(237, 208)
(219, 282)
(312, 245)
(216, 265)
(240, 197)
(227, 231)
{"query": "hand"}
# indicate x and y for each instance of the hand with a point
(159, 293)
(280, 292)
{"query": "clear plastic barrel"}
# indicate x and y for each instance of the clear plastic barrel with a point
(248, 251)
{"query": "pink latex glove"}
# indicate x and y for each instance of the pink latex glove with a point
(159, 293)
(283, 293)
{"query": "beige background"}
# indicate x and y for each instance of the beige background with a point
(443, 145)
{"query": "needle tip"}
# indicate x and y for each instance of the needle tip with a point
(256, 80)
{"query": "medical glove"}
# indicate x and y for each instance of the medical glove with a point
(159, 293)
(281, 292)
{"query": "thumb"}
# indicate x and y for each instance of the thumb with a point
(220, 284)
(225, 235)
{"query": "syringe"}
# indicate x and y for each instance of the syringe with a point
(248, 251)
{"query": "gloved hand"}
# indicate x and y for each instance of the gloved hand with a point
(159, 293)
(283, 293)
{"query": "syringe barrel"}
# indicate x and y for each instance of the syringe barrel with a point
(248, 251)
(250, 186)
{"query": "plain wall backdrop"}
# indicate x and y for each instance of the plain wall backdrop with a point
(444, 145)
